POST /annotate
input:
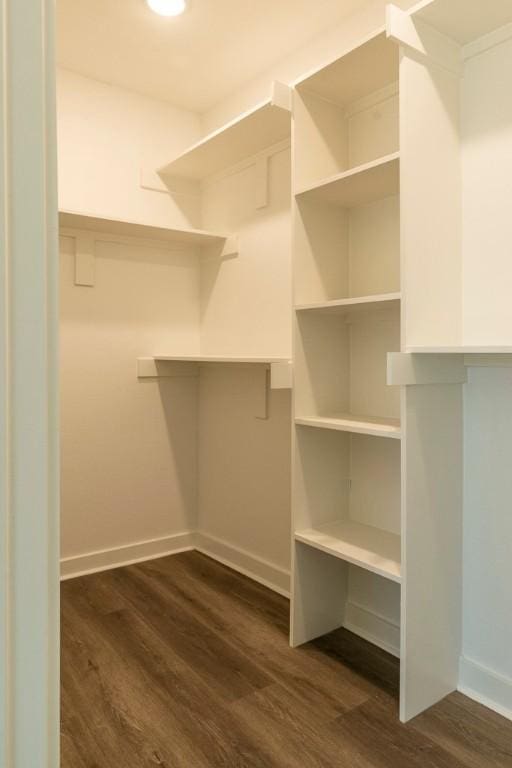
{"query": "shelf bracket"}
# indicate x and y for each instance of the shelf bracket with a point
(423, 41)
(276, 376)
(85, 246)
(281, 96)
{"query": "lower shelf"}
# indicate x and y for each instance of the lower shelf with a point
(359, 424)
(370, 548)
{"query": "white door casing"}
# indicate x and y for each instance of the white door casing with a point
(29, 480)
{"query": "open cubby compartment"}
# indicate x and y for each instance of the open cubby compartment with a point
(348, 498)
(346, 252)
(341, 371)
(346, 114)
(456, 171)
(329, 593)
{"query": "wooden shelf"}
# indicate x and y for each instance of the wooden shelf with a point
(370, 548)
(266, 124)
(357, 186)
(355, 424)
(348, 306)
(89, 223)
(464, 21)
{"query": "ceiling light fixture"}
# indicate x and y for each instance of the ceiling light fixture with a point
(167, 7)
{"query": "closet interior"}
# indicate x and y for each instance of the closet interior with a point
(346, 242)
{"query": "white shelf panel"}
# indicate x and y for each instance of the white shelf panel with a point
(221, 359)
(356, 424)
(348, 306)
(363, 184)
(462, 350)
(370, 548)
(252, 132)
(465, 20)
(362, 70)
(190, 237)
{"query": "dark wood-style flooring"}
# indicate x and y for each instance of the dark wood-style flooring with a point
(183, 663)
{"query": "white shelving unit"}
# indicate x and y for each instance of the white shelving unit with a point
(347, 439)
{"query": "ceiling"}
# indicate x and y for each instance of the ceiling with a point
(194, 60)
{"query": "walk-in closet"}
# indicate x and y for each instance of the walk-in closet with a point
(285, 330)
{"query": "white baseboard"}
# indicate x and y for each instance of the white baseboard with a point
(106, 559)
(262, 571)
(377, 629)
(486, 686)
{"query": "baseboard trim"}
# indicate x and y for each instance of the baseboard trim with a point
(486, 686)
(256, 568)
(373, 627)
(117, 557)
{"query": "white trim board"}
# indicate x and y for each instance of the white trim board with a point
(485, 686)
(270, 575)
(257, 568)
(371, 626)
(129, 554)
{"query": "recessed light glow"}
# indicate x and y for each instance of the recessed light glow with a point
(167, 7)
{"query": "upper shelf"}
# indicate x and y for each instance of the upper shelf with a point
(221, 359)
(266, 124)
(192, 237)
(464, 20)
(352, 305)
(364, 69)
(372, 181)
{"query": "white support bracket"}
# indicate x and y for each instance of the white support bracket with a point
(231, 247)
(408, 369)
(85, 246)
(281, 96)
(277, 376)
(423, 41)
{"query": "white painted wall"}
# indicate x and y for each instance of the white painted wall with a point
(107, 136)
(486, 99)
(129, 447)
(486, 665)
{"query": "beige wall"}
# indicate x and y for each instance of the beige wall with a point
(129, 449)
(108, 137)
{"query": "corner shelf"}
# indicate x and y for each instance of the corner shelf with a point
(357, 186)
(370, 548)
(356, 424)
(98, 224)
(277, 370)
(348, 306)
(266, 124)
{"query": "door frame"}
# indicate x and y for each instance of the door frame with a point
(29, 453)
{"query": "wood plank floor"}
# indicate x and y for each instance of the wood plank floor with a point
(183, 663)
